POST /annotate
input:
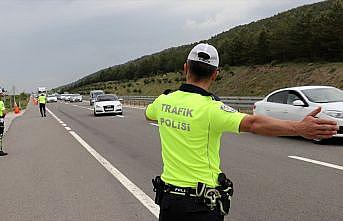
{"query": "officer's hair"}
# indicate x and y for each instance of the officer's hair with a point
(200, 70)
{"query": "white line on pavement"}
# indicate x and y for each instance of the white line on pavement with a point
(317, 162)
(64, 125)
(68, 128)
(52, 114)
(121, 116)
(130, 186)
(153, 124)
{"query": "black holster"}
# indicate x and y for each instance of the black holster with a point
(226, 192)
(219, 197)
(158, 188)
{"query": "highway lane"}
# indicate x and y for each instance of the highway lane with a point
(269, 184)
(49, 176)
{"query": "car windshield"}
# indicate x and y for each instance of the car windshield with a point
(107, 98)
(95, 94)
(324, 95)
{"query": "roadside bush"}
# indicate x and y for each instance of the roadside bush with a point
(219, 78)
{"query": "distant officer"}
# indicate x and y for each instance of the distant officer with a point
(191, 122)
(42, 101)
(2, 121)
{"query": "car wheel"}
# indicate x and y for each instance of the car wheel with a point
(121, 113)
(95, 114)
(321, 141)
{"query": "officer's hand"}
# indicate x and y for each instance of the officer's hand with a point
(314, 128)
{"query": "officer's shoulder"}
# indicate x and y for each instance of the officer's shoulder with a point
(165, 94)
(168, 91)
(215, 97)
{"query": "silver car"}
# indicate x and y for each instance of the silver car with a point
(296, 102)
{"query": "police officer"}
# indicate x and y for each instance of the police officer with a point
(191, 122)
(42, 101)
(2, 121)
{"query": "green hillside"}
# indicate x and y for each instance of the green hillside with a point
(257, 80)
(312, 33)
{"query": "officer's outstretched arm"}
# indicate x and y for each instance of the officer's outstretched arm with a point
(310, 127)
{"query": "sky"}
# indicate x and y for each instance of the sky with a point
(54, 42)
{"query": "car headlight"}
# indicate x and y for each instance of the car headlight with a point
(335, 114)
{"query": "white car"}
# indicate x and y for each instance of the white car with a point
(76, 98)
(65, 97)
(51, 98)
(296, 102)
(107, 104)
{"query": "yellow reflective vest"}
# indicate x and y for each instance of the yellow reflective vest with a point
(191, 123)
(42, 99)
(2, 108)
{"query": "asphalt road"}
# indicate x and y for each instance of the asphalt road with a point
(50, 175)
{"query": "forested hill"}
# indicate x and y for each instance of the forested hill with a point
(305, 34)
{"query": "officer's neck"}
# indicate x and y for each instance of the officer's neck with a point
(202, 84)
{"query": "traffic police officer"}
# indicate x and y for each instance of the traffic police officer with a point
(2, 121)
(42, 101)
(191, 122)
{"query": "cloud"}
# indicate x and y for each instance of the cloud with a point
(49, 43)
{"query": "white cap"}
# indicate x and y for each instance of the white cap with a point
(204, 53)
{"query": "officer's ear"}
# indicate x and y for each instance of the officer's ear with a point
(214, 74)
(185, 68)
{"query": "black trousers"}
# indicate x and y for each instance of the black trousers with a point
(42, 109)
(181, 208)
(2, 126)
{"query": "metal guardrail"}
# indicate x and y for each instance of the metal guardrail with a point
(244, 104)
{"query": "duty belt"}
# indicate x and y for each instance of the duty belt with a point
(219, 197)
(182, 191)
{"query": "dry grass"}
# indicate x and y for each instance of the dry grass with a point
(256, 80)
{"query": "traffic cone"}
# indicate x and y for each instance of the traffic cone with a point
(16, 109)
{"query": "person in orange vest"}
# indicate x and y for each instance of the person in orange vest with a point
(2, 121)
(42, 101)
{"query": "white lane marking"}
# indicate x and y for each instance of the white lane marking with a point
(153, 124)
(317, 162)
(82, 107)
(67, 128)
(52, 114)
(128, 184)
(64, 125)
(61, 122)
(121, 116)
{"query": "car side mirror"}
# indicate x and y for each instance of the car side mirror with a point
(120, 99)
(298, 103)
